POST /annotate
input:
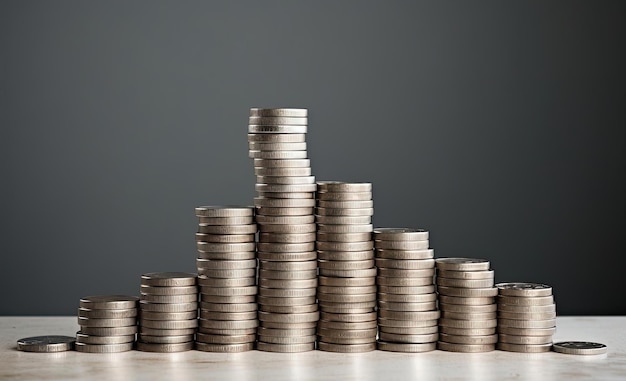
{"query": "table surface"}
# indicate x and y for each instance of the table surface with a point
(314, 365)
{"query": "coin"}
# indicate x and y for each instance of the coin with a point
(108, 302)
(225, 282)
(346, 282)
(91, 339)
(466, 348)
(527, 315)
(526, 309)
(348, 273)
(286, 333)
(287, 257)
(182, 290)
(383, 322)
(287, 238)
(224, 348)
(227, 229)
(104, 348)
(524, 348)
(223, 265)
(347, 290)
(400, 234)
(286, 247)
(344, 220)
(289, 112)
(227, 299)
(404, 273)
(109, 331)
(467, 331)
(406, 347)
(165, 339)
(225, 247)
(532, 340)
(276, 228)
(407, 338)
(409, 330)
(228, 307)
(49, 343)
(277, 120)
(277, 146)
(276, 129)
(121, 322)
(168, 279)
(345, 246)
(287, 283)
(344, 196)
(344, 237)
(224, 211)
(407, 298)
(368, 316)
(462, 264)
(225, 238)
(285, 194)
(405, 306)
(467, 292)
(471, 309)
(299, 274)
(239, 273)
(169, 324)
(527, 331)
(579, 348)
(285, 188)
(409, 315)
(524, 289)
(228, 324)
(226, 221)
(365, 204)
(286, 301)
(269, 163)
(288, 309)
(185, 298)
(407, 264)
(405, 254)
(454, 323)
(402, 245)
(345, 255)
(210, 315)
(285, 348)
(107, 314)
(403, 282)
(168, 307)
(289, 180)
(345, 212)
(465, 283)
(486, 274)
(406, 290)
(338, 186)
(213, 331)
(288, 266)
(268, 211)
(149, 315)
(225, 339)
(166, 332)
(288, 340)
(548, 323)
(526, 301)
(473, 340)
(164, 348)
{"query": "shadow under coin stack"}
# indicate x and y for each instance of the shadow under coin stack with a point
(227, 268)
(467, 303)
(407, 303)
(526, 317)
(288, 311)
(108, 324)
(168, 312)
(347, 281)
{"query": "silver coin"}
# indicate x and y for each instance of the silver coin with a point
(109, 331)
(346, 265)
(209, 315)
(528, 340)
(225, 238)
(526, 301)
(346, 298)
(286, 332)
(289, 318)
(168, 307)
(108, 302)
(103, 348)
(467, 292)
(267, 211)
(383, 322)
(224, 348)
(346, 282)
(527, 315)
(468, 315)
(406, 290)
(229, 291)
(288, 284)
(281, 301)
(277, 163)
(467, 331)
(228, 324)
(462, 264)
(223, 265)
(527, 331)
(107, 314)
(524, 348)
(345, 228)
(227, 332)
(287, 257)
(286, 180)
(46, 344)
(400, 234)
(238, 299)
(285, 348)
(288, 340)
(170, 298)
(169, 315)
(407, 264)
(164, 348)
(454, 323)
(169, 324)
(338, 186)
(346, 348)
(284, 203)
(286, 247)
(407, 348)
(487, 274)
(287, 238)
(166, 332)
(464, 283)
(211, 247)
(405, 306)
(548, 323)
(168, 279)
(91, 339)
(300, 274)
(579, 348)
(288, 266)
(288, 326)
(344, 196)
(348, 273)
(524, 289)
(225, 282)
(367, 204)
(298, 188)
(345, 255)
(347, 340)
(297, 229)
(277, 146)
(165, 339)
(526, 309)
(345, 246)
(275, 138)
(408, 338)
(240, 273)
(410, 331)
(228, 307)
(121, 322)
(344, 220)
(229, 221)
(344, 212)
(256, 154)
(367, 333)
(403, 282)
(285, 194)
(471, 309)
(225, 339)
(276, 129)
(180, 290)
(405, 254)
(402, 245)
(227, 229)
(289, 309)
(344, 237)
(465, 348)
(232, 256)
(471, 301)
(328, 316)
(290, 112)
(347, 290)
(404, 273)
(404, 298)
(405, 315)
(277, 120)
(224, 211)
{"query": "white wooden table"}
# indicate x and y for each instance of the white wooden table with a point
(315, 365)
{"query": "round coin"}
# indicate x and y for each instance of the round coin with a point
(107, 302)
(104, 348)
(579, 348)
(168, 279)
(524, 289)
(462, 264)
(49, 343)
(288, 112)
(164, 348)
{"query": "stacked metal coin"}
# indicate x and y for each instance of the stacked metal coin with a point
(526, 317)
(467, 303)
(284, 213)
(347, 281)
(407, 303)
(108, 323)
(227, 268)
(168, 312)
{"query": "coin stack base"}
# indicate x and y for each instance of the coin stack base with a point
(284, 214)
(347, 289)
(168, 311)
(108, 324)
(227, 268)
(526, 317)
(467, 303)
(407, 303)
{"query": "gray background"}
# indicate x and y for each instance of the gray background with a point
(498, 126)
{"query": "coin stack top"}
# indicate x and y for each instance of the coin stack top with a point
(526, 317)
(407, 303)
(284, 213)
(168, 310)
(108, 323)
(347, 272)
(467, 303)
(227, 268)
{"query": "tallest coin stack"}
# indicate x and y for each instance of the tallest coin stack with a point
(284, 205)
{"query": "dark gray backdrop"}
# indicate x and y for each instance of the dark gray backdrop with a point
(498, 126)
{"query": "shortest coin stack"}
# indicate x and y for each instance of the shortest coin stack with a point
(108, 323)
(168, 312)
(526, 317)
(407, 302)
(466, 300)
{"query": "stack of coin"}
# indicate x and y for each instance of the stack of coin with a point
(168, 312)
(347, 281)
(227, 268)
(286, 249)
(526, 317)
(108, 323)
(407, 303)
(467, 303)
